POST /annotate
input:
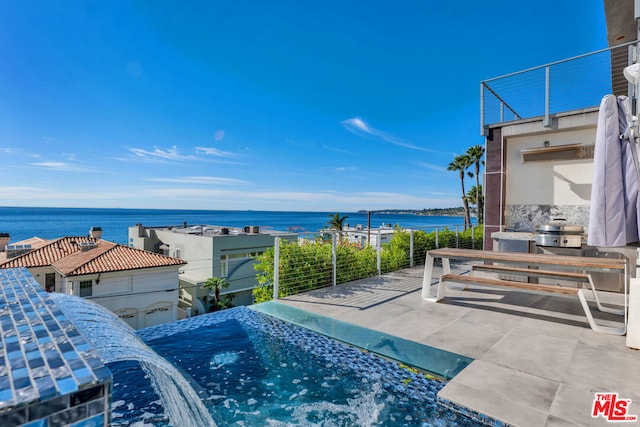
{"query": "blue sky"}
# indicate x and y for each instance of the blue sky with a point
(264, 105)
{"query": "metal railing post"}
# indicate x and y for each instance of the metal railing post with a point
(547, 93)
(378, 259)
(457, 236)
(437, 242)
(482, 128)
(276, 267)
(334, 259)
(473, 241)
(411, 248)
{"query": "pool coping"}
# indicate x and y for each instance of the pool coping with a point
(444, 364)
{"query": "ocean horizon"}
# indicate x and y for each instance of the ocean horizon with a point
(53, 222)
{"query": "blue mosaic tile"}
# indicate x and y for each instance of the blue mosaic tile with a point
(96, 421)
(38, 357)
(6, 395)
(83, 375)
(46, 387)
(19, 373)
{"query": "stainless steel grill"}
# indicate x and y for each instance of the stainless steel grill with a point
(559, 234)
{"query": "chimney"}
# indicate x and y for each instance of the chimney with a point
(4, 241)
(96, 232)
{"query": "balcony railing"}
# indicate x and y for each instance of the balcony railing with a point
(313, 263)
(544, 91)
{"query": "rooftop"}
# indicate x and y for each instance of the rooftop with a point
(78, 255)
(209, 230)
(537, 362)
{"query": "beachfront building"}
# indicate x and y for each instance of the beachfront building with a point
(141, 287)
(210, 251)
(362, 235)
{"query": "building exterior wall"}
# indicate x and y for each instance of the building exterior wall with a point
(142, 298)
(523, 196)
(229, 256)
(494, 180)
(196, 250)
(40, 276)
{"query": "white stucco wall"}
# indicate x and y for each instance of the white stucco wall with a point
(194, 249)
(558, 182)
(148, 296)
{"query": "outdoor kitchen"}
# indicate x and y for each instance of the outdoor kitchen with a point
(546, 186)
(559, 237)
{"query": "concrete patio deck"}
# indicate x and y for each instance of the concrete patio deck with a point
(537, 362)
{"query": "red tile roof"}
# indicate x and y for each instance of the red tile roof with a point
(64, 255)
(35, 242)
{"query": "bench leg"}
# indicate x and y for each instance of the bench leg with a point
(426, 280)
(619, 312)
(428, 275)
(442, 286)
(598, 328)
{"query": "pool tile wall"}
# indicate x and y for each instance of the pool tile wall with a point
(49, 375)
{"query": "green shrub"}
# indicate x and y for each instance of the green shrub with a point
(307, 266)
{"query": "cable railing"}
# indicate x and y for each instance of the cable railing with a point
(334, 257)
(547, 90)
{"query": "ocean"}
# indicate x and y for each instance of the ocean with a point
(50, 223)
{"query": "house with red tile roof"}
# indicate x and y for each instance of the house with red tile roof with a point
(139, 286)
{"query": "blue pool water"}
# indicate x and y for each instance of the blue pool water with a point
(252, 369)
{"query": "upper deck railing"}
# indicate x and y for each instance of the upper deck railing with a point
(544, 91)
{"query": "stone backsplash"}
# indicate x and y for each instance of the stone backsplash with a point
(531, 217)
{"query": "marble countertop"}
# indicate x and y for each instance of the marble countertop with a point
(513, 235)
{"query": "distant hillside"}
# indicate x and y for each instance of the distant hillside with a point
(425, 212)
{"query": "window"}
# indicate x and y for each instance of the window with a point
(235, 260)
(50, 282)
(224, 266)
(224, 262)
(86, 288)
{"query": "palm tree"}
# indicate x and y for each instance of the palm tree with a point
(476, 155)
(336, 222)
(215, 284)
(474, 197)
(460, 164)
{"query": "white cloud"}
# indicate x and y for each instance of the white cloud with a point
(62, 166)
(346, 168)
(210, 151)
(202, 198)
(359, 127)
(337, 150)
(431, 166)
(219, 135)
(200, 180)
(159, 155)
(173, 154)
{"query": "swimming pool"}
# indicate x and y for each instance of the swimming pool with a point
(252, 369)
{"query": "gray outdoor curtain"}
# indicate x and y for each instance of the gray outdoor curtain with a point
(613, 217)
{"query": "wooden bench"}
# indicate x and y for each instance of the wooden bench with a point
(531, 272)
(568, 268)
(490, 281)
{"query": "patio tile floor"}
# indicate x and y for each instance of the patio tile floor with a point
(537, 361)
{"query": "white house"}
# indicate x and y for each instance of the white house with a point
(363, 236)
(139, 286)
(210, 251)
